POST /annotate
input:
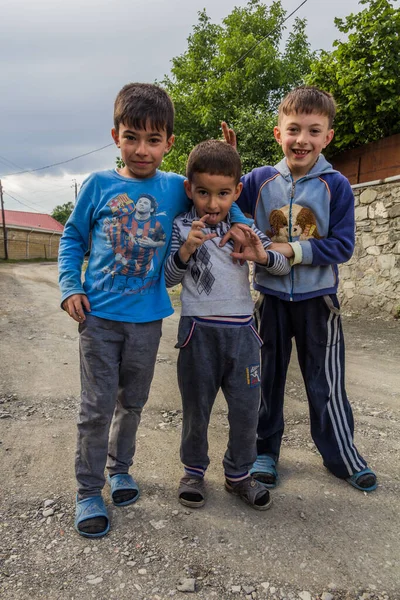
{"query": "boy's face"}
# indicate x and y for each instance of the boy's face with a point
(302, 138)
(142, 150)
(143, 206)
(212, 195)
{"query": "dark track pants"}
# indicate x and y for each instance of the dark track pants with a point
(316, 326)
(210, 358)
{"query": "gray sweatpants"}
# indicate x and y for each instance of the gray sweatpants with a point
(117, 362)
(213, 357)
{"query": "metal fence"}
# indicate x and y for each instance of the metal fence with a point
(372, 162)
(23, 244)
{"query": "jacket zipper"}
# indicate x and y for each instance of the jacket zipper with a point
(290, 235)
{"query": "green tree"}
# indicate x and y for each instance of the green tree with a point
(362, 73)
(62, 212)
(236, 72)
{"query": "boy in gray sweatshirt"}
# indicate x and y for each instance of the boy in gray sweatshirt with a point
(219, 345)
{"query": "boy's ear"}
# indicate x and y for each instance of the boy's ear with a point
(277, 134)
(115, 136)
(170, 143)
(329, 137)
(188, 188)
(238, 190)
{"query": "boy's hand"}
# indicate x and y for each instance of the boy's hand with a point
(74, 306)
(251, 246)
(238, 238)
(229, 135)
(283, 248)
(195, 239)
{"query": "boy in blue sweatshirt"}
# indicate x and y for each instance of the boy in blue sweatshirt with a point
(128, 214)
(307, 208)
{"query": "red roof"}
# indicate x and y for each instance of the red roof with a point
(30, 220)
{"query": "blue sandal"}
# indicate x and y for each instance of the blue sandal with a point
(91, 508)
(355, 477)
(123, 482)
(264, 471)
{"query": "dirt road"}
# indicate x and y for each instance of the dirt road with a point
(321, 538)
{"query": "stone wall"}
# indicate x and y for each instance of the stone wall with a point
(370, 281)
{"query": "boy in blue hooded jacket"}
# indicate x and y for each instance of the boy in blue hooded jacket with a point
(307, 208)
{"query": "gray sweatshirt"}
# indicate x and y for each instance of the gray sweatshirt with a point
(212, 284)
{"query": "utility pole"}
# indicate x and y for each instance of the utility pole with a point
(4, 223)
(75, 189)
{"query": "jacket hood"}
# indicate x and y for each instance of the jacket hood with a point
(321, 167)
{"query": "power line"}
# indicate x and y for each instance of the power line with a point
(5, 160)
(111, 144)
(19, 195)
(56, 196)
(45, 191)
(63, 162)
(23, 204)
(255, 45)
(40, 201)
(52, 190)
(265, 37)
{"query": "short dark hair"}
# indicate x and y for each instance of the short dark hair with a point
(140, 103)
(308, 99)
(216, 158)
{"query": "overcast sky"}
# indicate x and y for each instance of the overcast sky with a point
(62, 63)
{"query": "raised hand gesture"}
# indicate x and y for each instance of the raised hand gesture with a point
(252, 248)
(195, 239)
(229, 135)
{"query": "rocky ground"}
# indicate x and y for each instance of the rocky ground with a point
(321, 539)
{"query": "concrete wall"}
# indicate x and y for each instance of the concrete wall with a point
(23, 244)
(370, 281)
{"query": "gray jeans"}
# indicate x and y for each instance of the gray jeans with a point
(117, 361)
(210, 358)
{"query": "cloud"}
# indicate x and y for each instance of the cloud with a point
(63, 62)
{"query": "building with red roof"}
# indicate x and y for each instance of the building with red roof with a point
(30, 220)
(29, 235)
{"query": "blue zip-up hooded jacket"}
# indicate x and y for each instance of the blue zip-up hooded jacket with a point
(315, 214)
